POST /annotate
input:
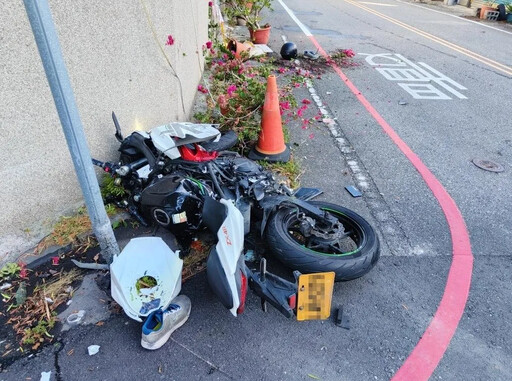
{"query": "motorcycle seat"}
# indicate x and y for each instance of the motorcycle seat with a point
(168, 137)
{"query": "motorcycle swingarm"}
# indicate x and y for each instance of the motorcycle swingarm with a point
(271, 288)
(270, 203)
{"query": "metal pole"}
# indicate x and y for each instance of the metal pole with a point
(47, 41)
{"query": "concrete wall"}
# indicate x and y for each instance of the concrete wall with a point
(114, 63)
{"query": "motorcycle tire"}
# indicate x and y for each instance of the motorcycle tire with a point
(291, 248)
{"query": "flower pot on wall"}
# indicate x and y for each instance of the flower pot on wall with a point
(260, 36)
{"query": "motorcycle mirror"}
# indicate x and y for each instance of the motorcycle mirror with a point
(118, 134)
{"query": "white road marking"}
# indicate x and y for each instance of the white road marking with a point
(303, 27)
(378, 4)
(416, 79)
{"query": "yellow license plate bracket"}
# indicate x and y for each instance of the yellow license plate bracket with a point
(314, 296)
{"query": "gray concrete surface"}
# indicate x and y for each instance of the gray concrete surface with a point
(114, 63)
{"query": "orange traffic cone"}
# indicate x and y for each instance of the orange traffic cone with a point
(270, 144)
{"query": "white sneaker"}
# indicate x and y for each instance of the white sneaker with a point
(159, 325)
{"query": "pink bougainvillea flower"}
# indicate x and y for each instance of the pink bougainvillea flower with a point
(208, 44)
(222, 101)
(170, 40)
(306, 101)
(348, 52)
(230, 90)
(284, 105)
(23, 270)
(210, 3)
(296, 84)
(202, 89)
(311, 136)
(300, 112)
(281, 70)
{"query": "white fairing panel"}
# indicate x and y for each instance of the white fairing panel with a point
(229, 247)
(145, 256)
(168, 137)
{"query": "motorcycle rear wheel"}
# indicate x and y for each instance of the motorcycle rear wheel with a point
(349, 258)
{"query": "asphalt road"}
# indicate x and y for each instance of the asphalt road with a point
(391, 307)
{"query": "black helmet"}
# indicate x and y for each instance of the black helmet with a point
(289, 51)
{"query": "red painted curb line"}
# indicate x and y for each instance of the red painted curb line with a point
(430, 349)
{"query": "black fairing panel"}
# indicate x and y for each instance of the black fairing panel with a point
(218, 280)
(157, 193)
(214, 214)
(136, 145)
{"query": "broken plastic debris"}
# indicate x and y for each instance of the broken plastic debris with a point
(5, 286)
(353, 191)
(342, 320)
(311, 55)
(93, 349)
(45, 376)
(49, 300)
(69, 302)
(75, 318)
(402, 103)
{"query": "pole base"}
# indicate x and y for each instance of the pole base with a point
(282, 157)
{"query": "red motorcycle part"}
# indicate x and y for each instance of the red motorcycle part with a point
(198, 154)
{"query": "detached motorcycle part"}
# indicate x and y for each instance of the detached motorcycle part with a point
(307, 194)
(299, 243)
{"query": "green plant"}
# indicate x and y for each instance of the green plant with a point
(145, 282)
(290, 170)
(37, 335)
(508, 7)
(490, 3)
(109, 188)
(251, 13)
(10, 269)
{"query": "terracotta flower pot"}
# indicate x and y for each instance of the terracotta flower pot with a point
(237, 48)
(484, 9)
(260, 36)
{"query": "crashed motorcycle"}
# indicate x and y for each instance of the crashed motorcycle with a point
(180, 176)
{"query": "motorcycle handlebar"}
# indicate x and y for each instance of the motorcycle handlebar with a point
(107, 167)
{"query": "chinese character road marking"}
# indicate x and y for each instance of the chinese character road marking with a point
(395, 67)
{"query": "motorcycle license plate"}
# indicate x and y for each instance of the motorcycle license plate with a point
(314, 296)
